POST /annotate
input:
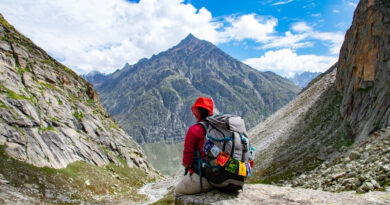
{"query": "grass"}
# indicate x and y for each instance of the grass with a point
(58, 100)
(168, 199)
(79, 115)
(49, 129)
(114, 126)
(50, 86)
(11, 94)
(68, 185)
(21, 70)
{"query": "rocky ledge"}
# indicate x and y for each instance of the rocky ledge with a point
(271, 194)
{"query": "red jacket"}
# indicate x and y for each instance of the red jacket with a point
(194, 138)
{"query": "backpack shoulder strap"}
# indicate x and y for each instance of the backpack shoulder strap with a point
(204, 124)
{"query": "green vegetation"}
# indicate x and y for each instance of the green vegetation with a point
(365, 89)
(6, 24)
(48, 85)
(21, 70)
(79, 115)
(48, 129)
(114, 126)
(90, 102)
(11, 94)
(168, 199)
(78, 182)
(58, 100)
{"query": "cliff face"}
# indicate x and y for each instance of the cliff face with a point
(152, 99)
(363, 76)
(343, 111)
(50, 117)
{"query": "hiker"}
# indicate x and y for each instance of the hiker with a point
(193, 147)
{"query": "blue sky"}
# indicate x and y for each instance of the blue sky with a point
(283, 36)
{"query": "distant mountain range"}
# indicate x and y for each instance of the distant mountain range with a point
(152, 99)
(95, 78)
(304, 78)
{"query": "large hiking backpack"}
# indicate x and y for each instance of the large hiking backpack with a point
(228, 153)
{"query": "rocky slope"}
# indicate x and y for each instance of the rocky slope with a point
(343, 106)
(56, 139)
(302, 134)
(363, 167)
(152, 98)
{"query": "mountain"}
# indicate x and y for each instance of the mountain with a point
(335, 134)
(152, 99)
(57, 142)
(304, 78)
(95, 77)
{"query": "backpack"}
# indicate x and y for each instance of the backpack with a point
(228, 153)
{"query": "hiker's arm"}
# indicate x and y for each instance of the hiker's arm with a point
(189, 147)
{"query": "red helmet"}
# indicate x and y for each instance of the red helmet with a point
(203, 102)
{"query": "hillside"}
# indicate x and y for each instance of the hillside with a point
(152, 98)
(57, 142)
(339, 125)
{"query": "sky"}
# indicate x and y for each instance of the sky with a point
(282, 36)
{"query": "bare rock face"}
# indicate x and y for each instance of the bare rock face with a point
(51, 117)
(363, 75)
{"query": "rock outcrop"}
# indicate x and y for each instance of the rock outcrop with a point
(363, 76)
(50, 117)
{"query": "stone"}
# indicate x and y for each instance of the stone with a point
(367, 186)
(338, 175)
(381, 177)
(351, 174)
(354, 155)
(375, 184)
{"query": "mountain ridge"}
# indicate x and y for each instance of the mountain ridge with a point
(172, 79)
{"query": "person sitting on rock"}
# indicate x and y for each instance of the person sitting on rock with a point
(193, 143)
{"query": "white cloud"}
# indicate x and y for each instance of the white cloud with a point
(289, 41)
(301, 27)
(335, 11)
(303, 37)
(104, 35)
(353, 4)
(333, 39)
(248, 27)
(282, 2)
(285, 62)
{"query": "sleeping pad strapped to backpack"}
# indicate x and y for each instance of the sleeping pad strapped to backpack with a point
(228, 153)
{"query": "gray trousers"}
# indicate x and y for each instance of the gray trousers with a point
(190, 184)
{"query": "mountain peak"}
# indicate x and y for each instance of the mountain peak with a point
(190, 37)
(190, 40)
